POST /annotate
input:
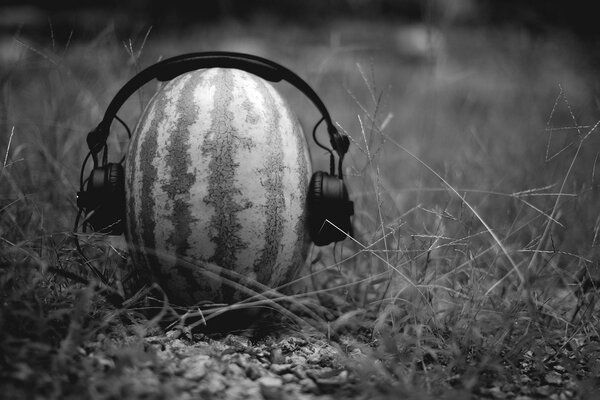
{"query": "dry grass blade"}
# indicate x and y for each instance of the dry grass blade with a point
(12, 132)
(483, 222)
(542, 242)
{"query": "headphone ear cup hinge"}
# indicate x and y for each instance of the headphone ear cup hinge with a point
(339, 142)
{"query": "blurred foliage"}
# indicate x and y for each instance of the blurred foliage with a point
(536, 15)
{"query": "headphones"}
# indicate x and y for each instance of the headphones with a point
(102, 202)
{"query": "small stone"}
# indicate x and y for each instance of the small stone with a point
(194, 367)
(237, 341)
(238, 391)
(331, 383)
(543, 390)
(299, 371)
(270, 387)
(214, 383)
(104, 363)
(176, 344)
(173, 334)
(322, 373)
(553, 378)
(527, 390)
(550, 351)
(559, 368)
(277, 356)
(571, 386)
(524, 379)
(23, 371)
(235, 371)
(281, 369)
(357, 354)
(288, 378)
(523, 398)
(494, 392)
(253, 371)
(295, 359)
(309, 386)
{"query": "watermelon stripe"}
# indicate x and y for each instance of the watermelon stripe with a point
(221, 145)
(300, 229)
(133, 184)
(146, 175)
(166, 126)
(275, 206)
(152, 173)
(201, 246)
(149, 175)
(291, 185)
(130, 174)
(178, 160)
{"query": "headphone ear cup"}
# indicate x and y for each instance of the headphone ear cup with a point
(329, 209)
(115, 177)
(104, 199)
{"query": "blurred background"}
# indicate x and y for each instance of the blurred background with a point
(535, 15)
(486, 93)
(474, 170)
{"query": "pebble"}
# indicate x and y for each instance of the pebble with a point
(299, 371)
(277, 356)
(214, 383)
(550, 351)
(494, 392)
(237, 341)
(330, 384)
(322, 373)
(295, 359)
(543, 390)
(525, 379)
(281, 369)
(253, 371)
(357, 354)
(270, 387)
(240, 391)
(309, 386)
(553, 378)
(194, 367)
(235, 371)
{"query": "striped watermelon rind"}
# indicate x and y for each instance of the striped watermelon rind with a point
(217, 172)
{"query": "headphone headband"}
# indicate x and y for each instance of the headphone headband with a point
(103, 201)
(172, 67)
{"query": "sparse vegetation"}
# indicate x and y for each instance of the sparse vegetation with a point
(473, 271)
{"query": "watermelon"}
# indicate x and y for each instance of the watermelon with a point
(216, 181)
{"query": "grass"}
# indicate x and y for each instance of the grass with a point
(474, 175)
